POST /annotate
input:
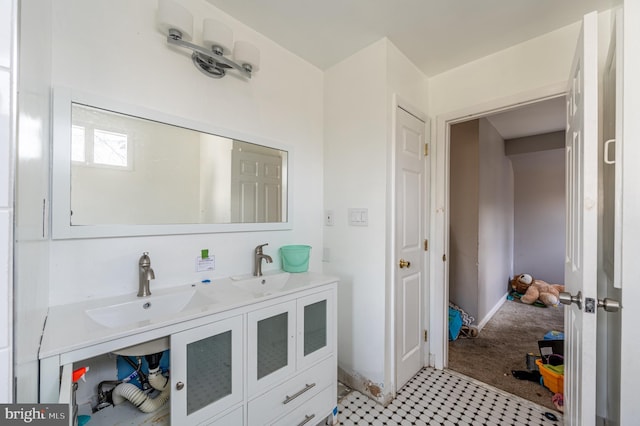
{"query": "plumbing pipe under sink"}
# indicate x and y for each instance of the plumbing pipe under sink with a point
(146, 404)
(139, 398)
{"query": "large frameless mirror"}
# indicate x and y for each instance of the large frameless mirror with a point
(120, 170)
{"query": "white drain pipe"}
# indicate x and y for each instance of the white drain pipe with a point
(146, 404)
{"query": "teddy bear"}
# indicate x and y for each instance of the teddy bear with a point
(532, 290)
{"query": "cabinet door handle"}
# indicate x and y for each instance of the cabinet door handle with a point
(288, 398)
(179, 385)
(306, 420)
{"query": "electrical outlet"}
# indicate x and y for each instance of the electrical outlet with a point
(328, 217)
(326, 254)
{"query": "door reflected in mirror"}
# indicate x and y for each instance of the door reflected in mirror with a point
(127, 170)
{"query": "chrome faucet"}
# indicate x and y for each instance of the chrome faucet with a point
(257, 260)
(146, 274)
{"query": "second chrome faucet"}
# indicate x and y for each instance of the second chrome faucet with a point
(257, 260)
(145, 275)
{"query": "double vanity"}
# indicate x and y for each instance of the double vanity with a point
(243, 350)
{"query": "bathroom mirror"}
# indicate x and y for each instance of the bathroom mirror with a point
(120, 170)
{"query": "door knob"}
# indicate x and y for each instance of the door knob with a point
(404, 264)
(179, 385)
(609, 305)
(567, 299)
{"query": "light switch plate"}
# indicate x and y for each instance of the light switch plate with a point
(359, 217)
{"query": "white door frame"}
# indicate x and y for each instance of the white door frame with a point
(399, 102)
(439, 271)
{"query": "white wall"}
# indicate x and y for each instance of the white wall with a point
(495, 221)
(359, 110)
(540, 62)
(539, 214)
(215, 178)
(8, 11)
(133, 64)
(356, 172)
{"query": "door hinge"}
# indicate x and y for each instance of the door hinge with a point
(426, 149)
(444, 257)
(426, 245)
(425, 335)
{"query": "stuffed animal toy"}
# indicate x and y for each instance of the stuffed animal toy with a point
(533, 290)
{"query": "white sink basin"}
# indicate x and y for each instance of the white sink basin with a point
(264, 285)
(147, 308)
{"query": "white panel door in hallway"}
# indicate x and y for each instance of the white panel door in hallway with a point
(409, 273)
(256, 188)
(582, 221)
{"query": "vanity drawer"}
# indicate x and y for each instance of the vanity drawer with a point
(233, 418)
(292, 393)
(311, 413)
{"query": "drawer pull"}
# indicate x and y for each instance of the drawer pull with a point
(306, 420)
(288, 398)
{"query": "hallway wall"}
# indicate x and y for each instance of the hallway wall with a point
(481, 227)
(463, 232)
(495, 221)
(539, 238)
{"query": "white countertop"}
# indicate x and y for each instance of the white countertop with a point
(68, 328)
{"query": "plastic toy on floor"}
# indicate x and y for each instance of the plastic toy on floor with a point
(468, 331)
(558, 402)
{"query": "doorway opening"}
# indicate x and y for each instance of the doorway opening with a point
(507, 217)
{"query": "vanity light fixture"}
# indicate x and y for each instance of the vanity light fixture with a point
(177, 23)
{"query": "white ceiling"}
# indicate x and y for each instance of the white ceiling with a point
(436, 35)
(534, 119)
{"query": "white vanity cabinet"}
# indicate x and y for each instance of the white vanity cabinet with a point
(269, 360)
(291, 357)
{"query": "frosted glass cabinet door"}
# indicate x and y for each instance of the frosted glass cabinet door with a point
(271, 345)
(206, 371)
(315, 328)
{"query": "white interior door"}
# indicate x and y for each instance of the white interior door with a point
(256, 188)
(609, 344)
(582, 239)
(409, 244)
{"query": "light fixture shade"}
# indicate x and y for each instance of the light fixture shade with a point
(172, 16)
(216, 33)
(246, 53)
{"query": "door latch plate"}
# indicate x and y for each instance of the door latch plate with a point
(590, 305)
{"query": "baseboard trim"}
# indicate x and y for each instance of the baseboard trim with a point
(492, 312)
(364, 386)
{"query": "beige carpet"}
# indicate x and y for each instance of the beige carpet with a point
(502, 346)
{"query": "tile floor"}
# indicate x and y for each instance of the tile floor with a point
(436, 397)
